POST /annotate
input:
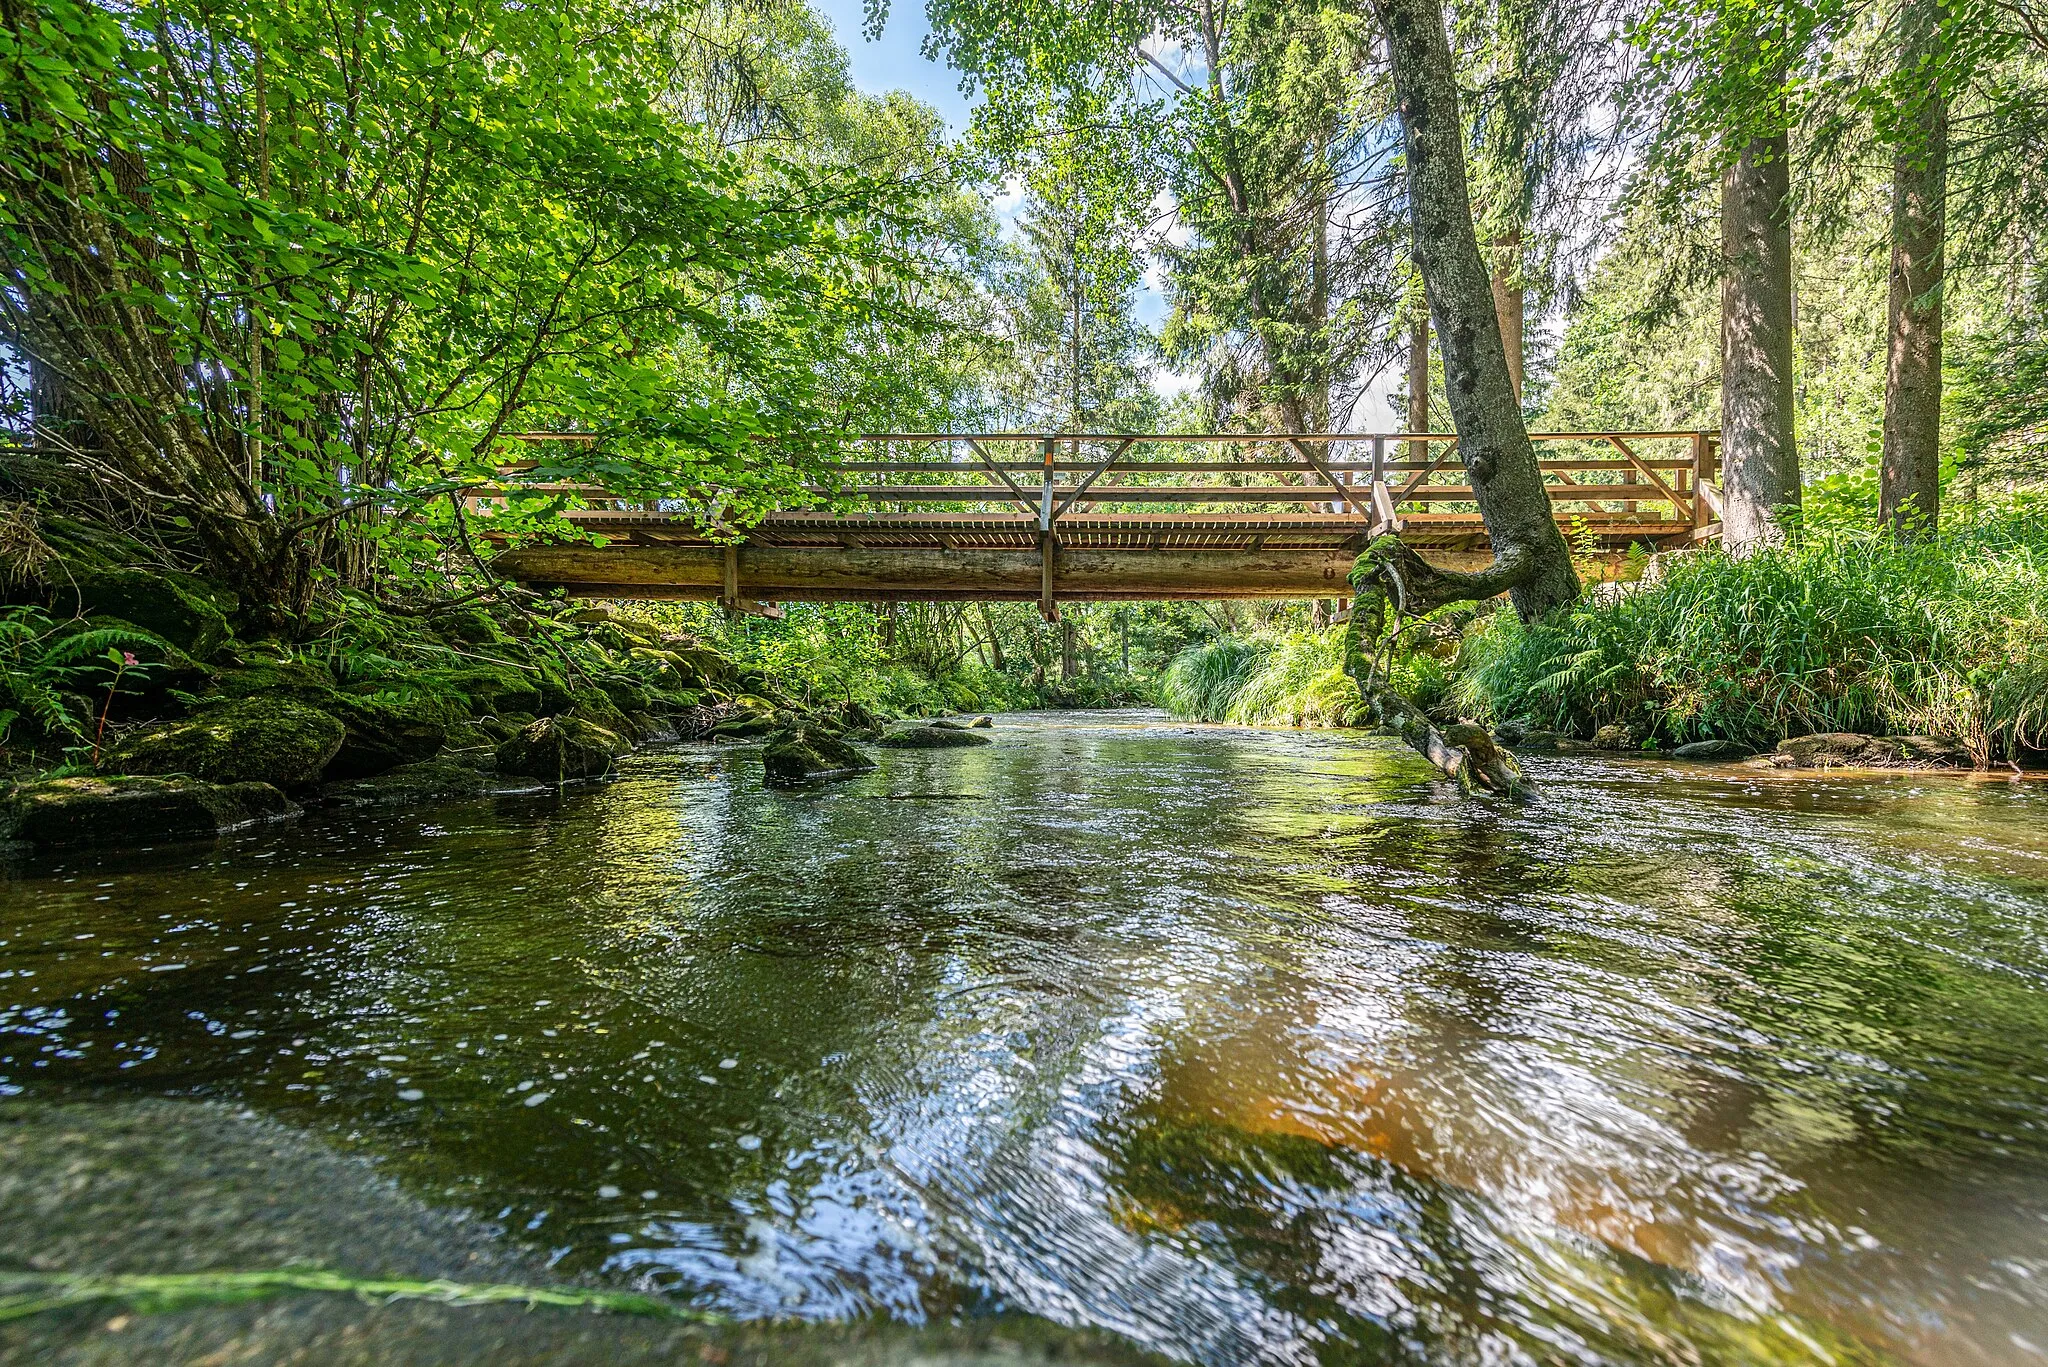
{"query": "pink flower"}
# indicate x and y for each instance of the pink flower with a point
(128, 658)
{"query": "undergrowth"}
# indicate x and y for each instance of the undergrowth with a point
(1840, 630)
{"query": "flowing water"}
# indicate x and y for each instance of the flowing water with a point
(1250, 1046)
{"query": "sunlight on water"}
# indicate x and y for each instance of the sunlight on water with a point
(1253, 1047)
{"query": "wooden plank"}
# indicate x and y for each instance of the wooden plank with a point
(931, 574)
(1684, 509)
(1350, 498)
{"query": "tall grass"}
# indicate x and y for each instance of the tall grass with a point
(1840, 630)
(1292, 680)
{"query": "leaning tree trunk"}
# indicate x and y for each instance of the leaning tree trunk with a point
(1531, 564)
(1759, 462)
(1909, 480)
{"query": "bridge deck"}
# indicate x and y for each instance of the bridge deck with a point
(1073, 534)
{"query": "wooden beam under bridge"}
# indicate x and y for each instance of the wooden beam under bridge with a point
(929, 574)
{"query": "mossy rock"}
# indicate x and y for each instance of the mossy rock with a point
(557, 749)
(301, 680)
(489, 690)
(135, 811)
(386, 731)
(744, 726)
(803, 754)
(931, 738)
(428, 781)
(171, 606)
(627, 693)
(595, 706)
(466, 626)
(263, 740)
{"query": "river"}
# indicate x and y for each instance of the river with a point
(1250, 1046)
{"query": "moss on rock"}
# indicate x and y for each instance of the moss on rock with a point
(558, 749)
(263, 740)
(428, 781)
(135, 811)
(804, 754)
(182, 610)
(931, 738)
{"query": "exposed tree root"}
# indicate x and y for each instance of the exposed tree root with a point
(1391, 582)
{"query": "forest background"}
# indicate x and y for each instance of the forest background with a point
(282, 280)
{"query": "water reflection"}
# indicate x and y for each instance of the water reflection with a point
(1250, 1046)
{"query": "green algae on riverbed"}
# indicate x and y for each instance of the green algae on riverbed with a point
(1244, 1046)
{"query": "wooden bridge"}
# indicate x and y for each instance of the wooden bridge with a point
(1058, 517)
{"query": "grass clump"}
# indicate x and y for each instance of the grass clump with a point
(1839, 630)
(1295, 679)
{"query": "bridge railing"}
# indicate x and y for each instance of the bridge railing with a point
(1658, 481)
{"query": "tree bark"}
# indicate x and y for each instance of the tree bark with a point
(1531, 561)
(1418, 385)
(1507, 301)
(1759, 461)
(1909, 479)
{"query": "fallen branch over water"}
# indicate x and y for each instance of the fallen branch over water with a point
(1389, 582)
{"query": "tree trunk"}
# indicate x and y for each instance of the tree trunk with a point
(1507, 301)
(1418, 384)
(1531, 561)
(1759, 462)
(1909, 481)
(995, 639)
(1531, 564)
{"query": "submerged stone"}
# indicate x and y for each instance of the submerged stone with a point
(256, 740)
(931, 738)
(558, 749)
(1713, 749)
(803, 754)
(135, 811)
(430, 781)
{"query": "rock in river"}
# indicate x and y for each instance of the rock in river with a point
(255, 740)
(802, 754)
(1713, 749)
(135, 811)
(931, 738)
(1851, 749)
(561, 748)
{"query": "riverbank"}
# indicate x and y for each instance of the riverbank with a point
(1841, 647)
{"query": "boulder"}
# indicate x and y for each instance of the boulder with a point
(472, 745)
(595, 706)
(931, 738)
(744, 725)
(1851, 749)
(558, 749)
(489, 690)
(1612, 737)
(187, 612)
(387, 729)
(802, 754)
(135, 811)
(431, 781)
(466, 626)
(983, 723)
(1713, 750)
(1535, 741)
(256, 740)
(947, 724)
